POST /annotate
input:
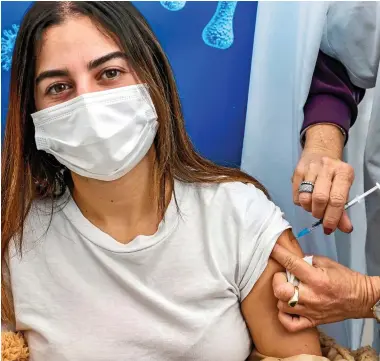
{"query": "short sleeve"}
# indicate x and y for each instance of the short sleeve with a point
(264, 223)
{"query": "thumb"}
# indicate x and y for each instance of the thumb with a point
(293, 263)
(323, 262)
(345, 224)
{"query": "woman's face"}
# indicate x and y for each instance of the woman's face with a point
(76, 58)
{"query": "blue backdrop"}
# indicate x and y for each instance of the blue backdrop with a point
(209, 45)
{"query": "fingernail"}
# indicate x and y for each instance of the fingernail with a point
(352, 230)
(327, 231)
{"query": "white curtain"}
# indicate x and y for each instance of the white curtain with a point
(287, 39)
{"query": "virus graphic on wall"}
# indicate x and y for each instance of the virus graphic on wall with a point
(7, 45)
(219, 32)
(173, 5)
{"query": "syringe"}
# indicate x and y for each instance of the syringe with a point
(351, 203)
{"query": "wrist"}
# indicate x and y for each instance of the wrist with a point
(325, 139)
(371, 295)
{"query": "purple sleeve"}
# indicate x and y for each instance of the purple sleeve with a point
(332, 97)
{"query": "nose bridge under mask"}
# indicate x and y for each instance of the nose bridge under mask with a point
(127, 93)
(99, 135)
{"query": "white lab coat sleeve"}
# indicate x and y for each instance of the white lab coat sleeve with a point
(352, 35)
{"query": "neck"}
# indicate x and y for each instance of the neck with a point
(123, 203)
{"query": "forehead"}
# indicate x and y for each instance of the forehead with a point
(76, 41)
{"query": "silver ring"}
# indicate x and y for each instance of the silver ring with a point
(306, 187)
(294, 300)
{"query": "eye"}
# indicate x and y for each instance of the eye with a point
(57, 88)
(110, 74)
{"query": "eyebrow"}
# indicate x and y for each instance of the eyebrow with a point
(55, 73)
(103, 59)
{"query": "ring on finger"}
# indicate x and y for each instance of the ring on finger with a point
(306, 187)
(295, 298)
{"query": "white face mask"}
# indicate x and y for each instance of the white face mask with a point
(101, 135)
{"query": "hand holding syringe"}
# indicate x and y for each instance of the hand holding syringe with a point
(351, 203)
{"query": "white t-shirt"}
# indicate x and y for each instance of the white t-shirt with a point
(81, 295)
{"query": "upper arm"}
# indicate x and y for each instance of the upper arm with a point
(261, 314)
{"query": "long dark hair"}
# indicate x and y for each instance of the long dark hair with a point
(29, 174)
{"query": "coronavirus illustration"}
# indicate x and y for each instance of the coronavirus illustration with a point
(173, 5)
(7, 45)
(219, 32)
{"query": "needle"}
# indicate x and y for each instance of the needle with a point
(351, 203)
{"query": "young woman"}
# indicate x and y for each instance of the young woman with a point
(119, 241)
